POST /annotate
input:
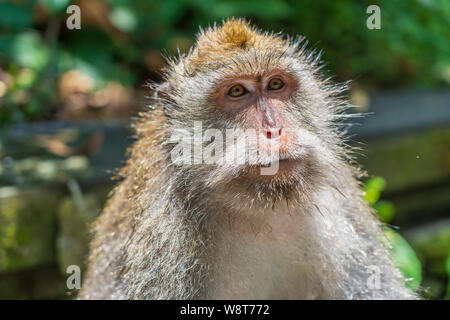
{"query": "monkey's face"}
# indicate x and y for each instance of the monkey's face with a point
(259, 116)
(282, 149)
(259, 104)
(263, 134)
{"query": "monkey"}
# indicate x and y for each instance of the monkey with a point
(225, 230)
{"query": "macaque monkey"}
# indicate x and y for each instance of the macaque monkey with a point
(225, 229)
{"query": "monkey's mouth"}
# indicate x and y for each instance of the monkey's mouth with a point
(279, 161)
(284, 162)
(275, 168)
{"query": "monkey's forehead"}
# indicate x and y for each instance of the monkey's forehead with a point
(250, 61)
(236, 45)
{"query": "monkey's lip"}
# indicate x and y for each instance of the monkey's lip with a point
(281, 161)
(283, 164)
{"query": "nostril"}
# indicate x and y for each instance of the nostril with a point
(269, 133)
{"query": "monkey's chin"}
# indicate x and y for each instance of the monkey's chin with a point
(255, 188)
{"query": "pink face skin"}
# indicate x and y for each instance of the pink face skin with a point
(257, 91)
(261, 105)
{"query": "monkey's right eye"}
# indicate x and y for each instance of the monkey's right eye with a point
(236, 91)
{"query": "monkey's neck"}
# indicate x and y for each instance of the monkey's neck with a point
(278, 253)
(326, 249)
(319, 249)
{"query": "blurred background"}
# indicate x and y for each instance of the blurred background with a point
(67, 98)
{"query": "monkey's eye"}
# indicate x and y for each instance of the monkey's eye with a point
(275, 84)
(236, 91)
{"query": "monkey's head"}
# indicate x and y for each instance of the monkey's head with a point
(258, 120)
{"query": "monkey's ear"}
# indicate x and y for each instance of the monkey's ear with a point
(162, 96)
(161, 91)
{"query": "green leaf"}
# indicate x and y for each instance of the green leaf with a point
(373, 188)
(377, 183)
(372, 196)
(405, 258)
(385, 210)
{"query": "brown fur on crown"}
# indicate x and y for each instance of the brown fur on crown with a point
(234, 35)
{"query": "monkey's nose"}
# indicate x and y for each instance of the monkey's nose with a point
(273, 134)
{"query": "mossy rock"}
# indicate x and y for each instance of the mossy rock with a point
(27, 228)
(38, 283)
(75, 216)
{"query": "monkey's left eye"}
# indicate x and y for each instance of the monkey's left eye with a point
(275, 84)
(236, 91)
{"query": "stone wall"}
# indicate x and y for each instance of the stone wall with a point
(43, 230)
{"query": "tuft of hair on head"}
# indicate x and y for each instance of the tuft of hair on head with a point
(221, 42)
(234, 33)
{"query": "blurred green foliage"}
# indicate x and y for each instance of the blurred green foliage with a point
(404, 256)
(447, 268)
(372, 190)
(120, 41)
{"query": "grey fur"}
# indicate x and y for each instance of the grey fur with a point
(160, 234)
